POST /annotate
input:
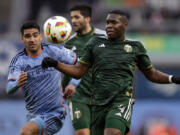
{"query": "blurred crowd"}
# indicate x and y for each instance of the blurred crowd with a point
(162, 16)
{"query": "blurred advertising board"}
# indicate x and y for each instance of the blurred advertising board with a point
(163, 49)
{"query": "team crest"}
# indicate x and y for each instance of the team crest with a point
(77, 113)
(128, 48)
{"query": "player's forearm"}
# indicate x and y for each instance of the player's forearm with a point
(12, 86)
(71, 70)
(157, 76)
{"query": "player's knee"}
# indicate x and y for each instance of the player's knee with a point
(112, 131)
(25, 131)
(29, 129)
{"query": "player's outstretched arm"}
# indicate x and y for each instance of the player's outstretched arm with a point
(157, 76)
(75, 71)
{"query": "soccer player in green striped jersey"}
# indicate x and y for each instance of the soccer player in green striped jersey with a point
(81, 22)
(113, 60)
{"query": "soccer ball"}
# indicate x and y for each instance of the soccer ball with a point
(57, 29)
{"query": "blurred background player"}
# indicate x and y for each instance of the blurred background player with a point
(41, 88)
(81, 22)
(113, 59)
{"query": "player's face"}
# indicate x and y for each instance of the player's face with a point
(115, 26)
(78, 21)
(32, 40)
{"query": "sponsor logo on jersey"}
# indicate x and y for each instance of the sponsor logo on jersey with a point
(128, 48)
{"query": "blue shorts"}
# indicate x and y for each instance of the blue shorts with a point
(49, 123)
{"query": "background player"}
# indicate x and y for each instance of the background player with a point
(81, 19)
(113, 60)
(41, 88)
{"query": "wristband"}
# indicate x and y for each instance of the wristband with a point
(170, 79)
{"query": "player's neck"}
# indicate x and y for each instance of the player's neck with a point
(33, 54)
(86, 30)
(118, 39)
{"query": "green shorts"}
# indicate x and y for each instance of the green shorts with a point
(116, 114)
(80, 115)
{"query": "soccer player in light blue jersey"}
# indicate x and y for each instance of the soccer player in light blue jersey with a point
(41, 88)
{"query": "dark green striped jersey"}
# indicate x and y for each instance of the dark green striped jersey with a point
(77, 43)
(113, 66)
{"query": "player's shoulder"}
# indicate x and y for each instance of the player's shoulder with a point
(134, 42)
(99, 31)
(52, 47)
(72, 37)
(137, 44)
(18, 57)
(96, 40)
(99, 37)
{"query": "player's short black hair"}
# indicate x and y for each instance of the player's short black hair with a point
(28, 25)
(120, 12)
(85, 10)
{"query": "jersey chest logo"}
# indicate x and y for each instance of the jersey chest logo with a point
(128, 48)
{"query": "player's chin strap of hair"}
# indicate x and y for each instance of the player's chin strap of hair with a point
(174, 79)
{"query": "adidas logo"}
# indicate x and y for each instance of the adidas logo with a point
(73, 48)
(102, 45)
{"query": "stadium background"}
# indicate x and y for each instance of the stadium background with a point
(154, 22)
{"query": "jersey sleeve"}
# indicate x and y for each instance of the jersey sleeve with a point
(14, 70)
(86, 58)
(64, 55)
(143, 60)
(68, 56)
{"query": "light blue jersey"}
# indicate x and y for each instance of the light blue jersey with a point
(42, 92)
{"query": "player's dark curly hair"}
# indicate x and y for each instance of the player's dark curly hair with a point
(120, 12)
(85, 10)
(28, 25)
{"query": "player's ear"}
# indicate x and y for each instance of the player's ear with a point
(88, 19)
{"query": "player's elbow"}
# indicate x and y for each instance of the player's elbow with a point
(11, 87)
(78, 75)
(9, 91)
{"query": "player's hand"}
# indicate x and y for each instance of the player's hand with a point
(49, 62)
(22, 79)
(176, 79)
(69, 91)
